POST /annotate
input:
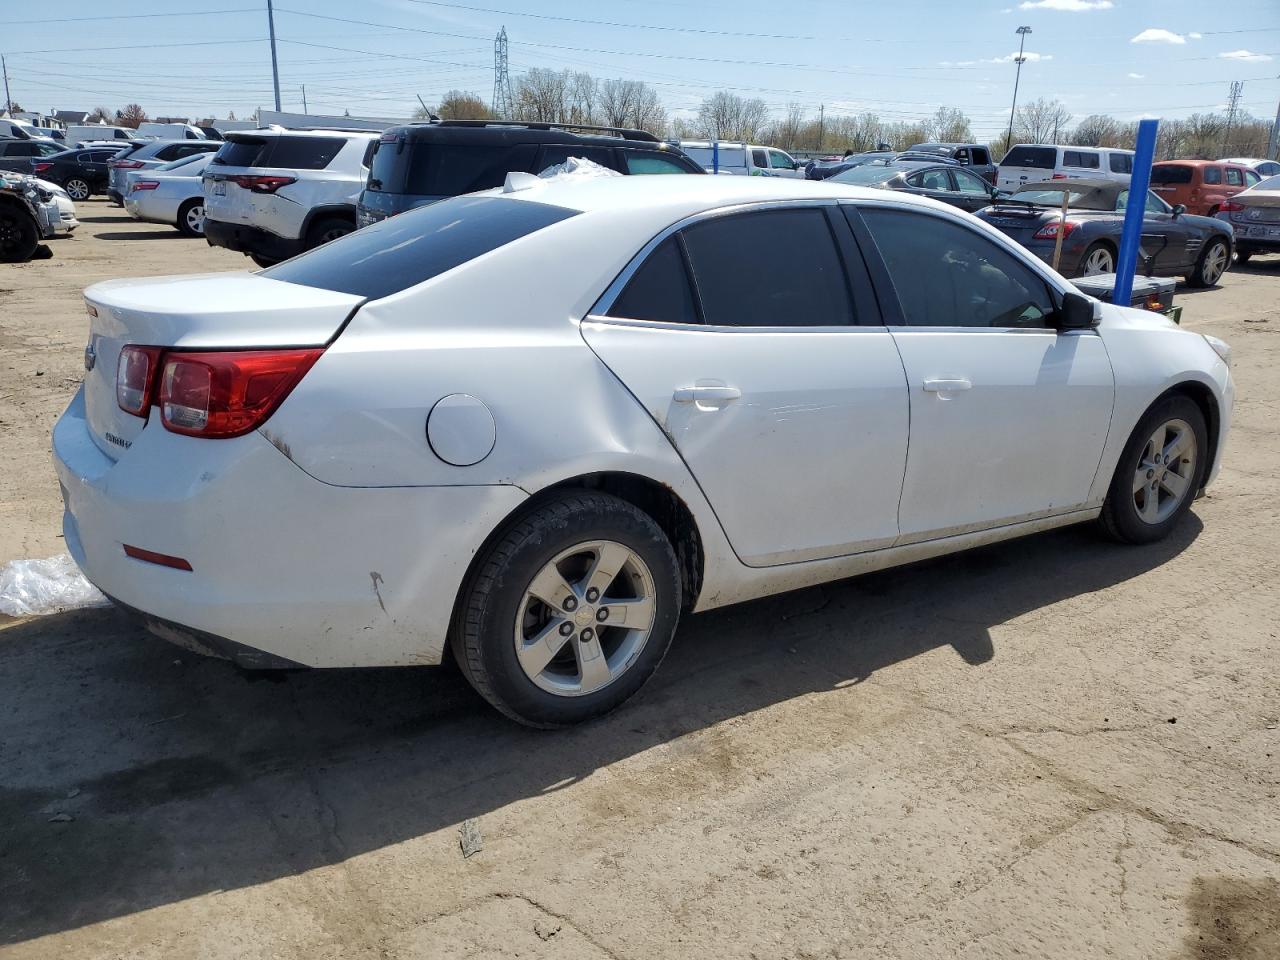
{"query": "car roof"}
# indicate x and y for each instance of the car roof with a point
(510, 132)
(234, 135)
(1194, 163)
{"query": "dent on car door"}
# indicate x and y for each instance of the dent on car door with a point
(1008, 416)
(790, 415)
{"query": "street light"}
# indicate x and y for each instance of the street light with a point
(1019, 60)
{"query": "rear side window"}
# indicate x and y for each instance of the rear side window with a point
(1170, 176)
(1080, 160)
(447, 170)
(1213, 175)
(800, 283)
(1120, 163)
(980, 156)
(302, 153)
(947, 275)
(400, 252)
(1041, 158)
(240, 152)
(557, 153)
(660, 289)
(1234, 177)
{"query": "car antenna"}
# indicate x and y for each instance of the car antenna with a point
(425, 108)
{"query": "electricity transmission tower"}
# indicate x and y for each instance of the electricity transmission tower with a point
(502, 99)
(1233, 103)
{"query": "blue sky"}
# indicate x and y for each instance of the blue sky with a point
(901, 59)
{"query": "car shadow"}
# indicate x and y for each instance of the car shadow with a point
(172, 234)
(134, 774)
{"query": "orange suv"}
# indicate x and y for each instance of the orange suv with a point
(1200, 185)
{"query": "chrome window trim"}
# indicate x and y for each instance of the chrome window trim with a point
(730, 328)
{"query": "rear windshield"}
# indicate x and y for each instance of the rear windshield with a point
(1166, 176)
(1042, 158)
(292, 153)
(399, 252)
(1048, 198)
(729, 156)
(444, 170)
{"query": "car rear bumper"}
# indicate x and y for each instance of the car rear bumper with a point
(250, 240)
(285, 570)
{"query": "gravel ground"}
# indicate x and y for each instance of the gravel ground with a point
(1052, 748)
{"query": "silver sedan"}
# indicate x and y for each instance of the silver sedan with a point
(169, 194)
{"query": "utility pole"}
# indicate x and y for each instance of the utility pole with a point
(1233, 102)
(304, 98)
(8, 103)
(1273, 144)
(503, 105)
(275, 70)
(1019, 60)
(822, 114)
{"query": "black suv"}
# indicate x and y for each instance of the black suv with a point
(972, 155)
(421, 163)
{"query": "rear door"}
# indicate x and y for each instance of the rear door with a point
(739, 335)
(1008, 416)
(1026, 164)
(1083, 165)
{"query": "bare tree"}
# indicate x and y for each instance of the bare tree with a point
(727, 116)
(581, 93)
(786, 133)
(540, 95)
(949, 125)
(100, 115)
(131, 116)
(1041, 121)
(631, 103)
(1098, 130)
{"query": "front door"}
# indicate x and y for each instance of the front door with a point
(740, 337)
(1008, 416)
(1168, 248)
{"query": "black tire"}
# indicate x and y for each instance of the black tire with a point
(184, 212)
(1201, 274)
(262, 261)
(1242, 256)
(1120, 518)
(77, 188)
(1097, 247)
(19, 234)
(328, 228)
(483, 638)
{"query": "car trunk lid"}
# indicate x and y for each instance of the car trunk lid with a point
(221, 311)
(1016, 221)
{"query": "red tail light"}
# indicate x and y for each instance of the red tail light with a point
(135, 378)
(1230, 206)
(1059, 176)
(125, 164)
(143, 185)
(1050, 230)
(263, 183)
(228, 394)
(40, 167)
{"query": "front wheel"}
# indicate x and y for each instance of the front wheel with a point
(1211, 265)
(19, 235)
(77, 189)
(1098, 258)
(1159, 472)
(570, 612)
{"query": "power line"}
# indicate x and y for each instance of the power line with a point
(132, 16)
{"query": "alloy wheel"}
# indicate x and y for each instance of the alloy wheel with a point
(77, 189)
(1099, 261)
(333, 233)
(1166, 471)
(1215, 264)
(585, 618)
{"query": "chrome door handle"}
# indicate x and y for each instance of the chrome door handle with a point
(706, 394)
(947, 386)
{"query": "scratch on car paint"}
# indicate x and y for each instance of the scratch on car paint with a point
(377, 579)
(278, 443)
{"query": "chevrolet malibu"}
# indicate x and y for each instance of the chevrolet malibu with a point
(533, 427)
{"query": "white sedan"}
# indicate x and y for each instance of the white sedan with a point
(170, 193)
(536, 425)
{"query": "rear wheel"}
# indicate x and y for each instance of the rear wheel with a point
(1098, 258)
(570, 612)
(262, 261)
(191, 217)
(77, 188)
(1159, 473)
(19, 234)
(1211, 266)
(328, 228)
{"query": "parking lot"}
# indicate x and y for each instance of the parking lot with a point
(1054, 747)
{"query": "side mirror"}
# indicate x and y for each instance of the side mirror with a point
(1178, 210)
(1078, 312)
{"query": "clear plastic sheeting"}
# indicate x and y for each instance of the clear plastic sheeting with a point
(34, 587)
(577, 168)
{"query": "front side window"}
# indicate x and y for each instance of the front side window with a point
(660, 289)
(1251, 178)
(780, 161)
(1212, 176)
(980, 157)
(801, 283)
(947, 275)
(1154, 203)
(1234, 177)
(969, 183)
(640, 163)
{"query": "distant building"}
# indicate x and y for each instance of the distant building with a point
(71, 116)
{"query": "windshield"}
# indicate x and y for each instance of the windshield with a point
(865, 174)
(729, 156)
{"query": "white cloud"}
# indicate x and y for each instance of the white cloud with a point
(1157, 35)
(1066, 6)
(1194, 36)
(1007, 58)
(1137, 76)
(1244, 55)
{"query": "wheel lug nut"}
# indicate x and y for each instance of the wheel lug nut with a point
(570, 604)
(602, 614)
(593, 595)
(587, 635)
(566, 629)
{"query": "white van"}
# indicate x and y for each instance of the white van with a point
(1036, 162)
(742, 159)
(20, 130)
(79, 133)
(171, 131)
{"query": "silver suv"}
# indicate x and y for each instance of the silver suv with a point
(271, 194)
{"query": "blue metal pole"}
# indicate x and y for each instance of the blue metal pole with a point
(1135, 211)
(715, 156)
